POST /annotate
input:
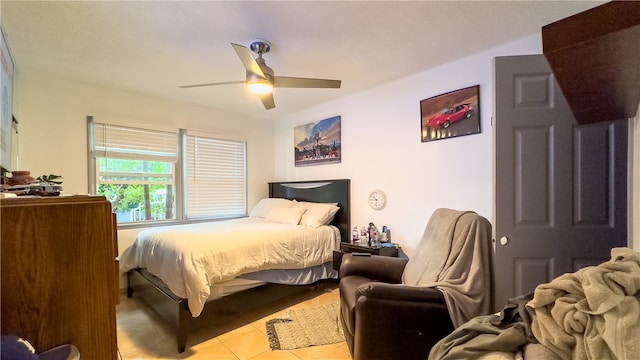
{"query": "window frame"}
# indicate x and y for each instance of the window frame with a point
(180, 171)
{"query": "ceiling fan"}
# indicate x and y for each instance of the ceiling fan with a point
(260, 78)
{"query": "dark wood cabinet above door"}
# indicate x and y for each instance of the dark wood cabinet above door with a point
(595, 57)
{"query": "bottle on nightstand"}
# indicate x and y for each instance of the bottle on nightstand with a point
(355, 235)
(364, 236)
(385, 236)
(373, 235)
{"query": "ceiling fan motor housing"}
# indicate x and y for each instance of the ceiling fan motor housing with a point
(265, 69)
(255, 78)
(260, 47)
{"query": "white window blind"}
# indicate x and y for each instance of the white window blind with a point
(159, 175)
(136, 170)
(112, 141)
(215, 180)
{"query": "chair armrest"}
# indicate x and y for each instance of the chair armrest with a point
(415, 317)
(378, 268)
(400, 292)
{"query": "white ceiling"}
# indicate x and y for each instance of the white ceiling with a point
(152, 47)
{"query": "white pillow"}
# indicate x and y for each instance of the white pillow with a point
(263, 206)
(290, 215)
(317, 214)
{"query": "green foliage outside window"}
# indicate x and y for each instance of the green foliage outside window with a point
(144, 189)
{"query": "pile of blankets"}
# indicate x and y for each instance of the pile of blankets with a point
(593, 313)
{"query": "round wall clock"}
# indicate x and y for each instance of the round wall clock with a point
(377, 199)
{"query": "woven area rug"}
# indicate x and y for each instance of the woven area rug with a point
(306, 327)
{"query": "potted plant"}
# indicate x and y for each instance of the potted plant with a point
(50, 180)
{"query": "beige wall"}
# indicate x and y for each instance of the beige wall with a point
(52, 129)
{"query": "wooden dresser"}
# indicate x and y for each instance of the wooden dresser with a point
(59, 283)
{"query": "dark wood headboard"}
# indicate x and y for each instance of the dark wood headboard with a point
(326, 191)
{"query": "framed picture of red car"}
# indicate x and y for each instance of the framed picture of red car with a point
(456, 113)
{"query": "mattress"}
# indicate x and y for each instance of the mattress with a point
(279, 276)
(191, 258)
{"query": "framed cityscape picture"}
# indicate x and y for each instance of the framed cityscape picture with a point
(455, 113)
(318, 142)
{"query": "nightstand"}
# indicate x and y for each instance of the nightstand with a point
(350, 248)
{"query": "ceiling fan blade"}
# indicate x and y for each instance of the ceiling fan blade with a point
(212, 84)
(247, 59)
(296, 82)
(267, 101)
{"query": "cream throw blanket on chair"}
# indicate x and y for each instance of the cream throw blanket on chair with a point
(453, 256)
(593, 313)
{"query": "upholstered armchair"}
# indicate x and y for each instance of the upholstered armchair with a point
(392, 308)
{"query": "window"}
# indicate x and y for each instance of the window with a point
(214, 176)
(159, 176)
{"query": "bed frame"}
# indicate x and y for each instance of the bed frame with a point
(175, 310)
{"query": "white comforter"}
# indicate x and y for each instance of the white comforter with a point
(190, 258)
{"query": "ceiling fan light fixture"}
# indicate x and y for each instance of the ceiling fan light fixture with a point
(260, 78)
(260, 86)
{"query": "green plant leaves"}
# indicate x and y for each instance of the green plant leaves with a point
(50, 179)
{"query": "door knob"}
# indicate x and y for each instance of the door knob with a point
(504, 240)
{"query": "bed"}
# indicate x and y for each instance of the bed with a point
(277, 257)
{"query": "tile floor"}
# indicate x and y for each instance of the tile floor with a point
(142, 334)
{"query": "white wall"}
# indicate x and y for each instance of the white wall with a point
(381, 148)
(52, 130)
